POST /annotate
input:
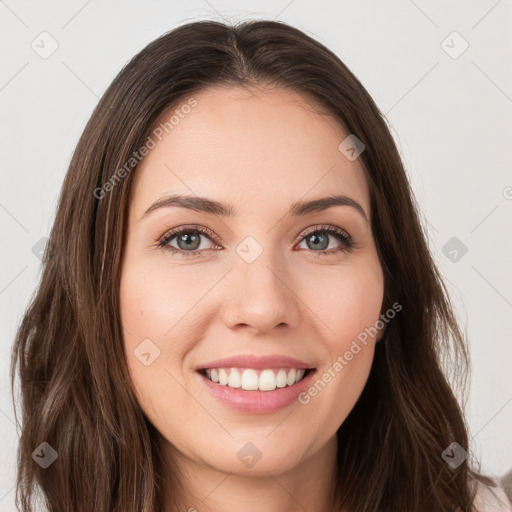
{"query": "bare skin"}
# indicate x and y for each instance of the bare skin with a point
(259, 151)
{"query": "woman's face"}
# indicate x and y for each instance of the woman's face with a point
(271, 290)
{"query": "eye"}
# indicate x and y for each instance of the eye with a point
(187, 239)
(318, 240)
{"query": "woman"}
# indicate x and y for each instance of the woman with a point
(238, 308)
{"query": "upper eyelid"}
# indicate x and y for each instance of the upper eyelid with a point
(176, 231)
(325, 227)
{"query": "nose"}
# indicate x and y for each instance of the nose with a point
(260, 296)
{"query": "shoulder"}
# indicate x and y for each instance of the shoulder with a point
(491, 499)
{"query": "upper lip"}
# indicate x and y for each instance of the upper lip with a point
(257, 362)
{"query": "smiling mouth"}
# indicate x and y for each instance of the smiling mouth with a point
(251, 379)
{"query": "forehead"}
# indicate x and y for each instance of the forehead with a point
(249, 146)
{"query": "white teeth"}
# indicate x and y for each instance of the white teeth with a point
(223, 377)
(234, 380)
(281, 379)
(267, 380)
(248, 379)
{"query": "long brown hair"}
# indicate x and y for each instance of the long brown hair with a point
(76, 393)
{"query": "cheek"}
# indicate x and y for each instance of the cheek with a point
(149, 308)
(154, 303)
(347, 301)
(162, 315)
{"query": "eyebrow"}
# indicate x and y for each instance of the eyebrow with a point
(209, 206)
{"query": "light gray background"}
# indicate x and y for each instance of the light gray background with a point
(449, 116)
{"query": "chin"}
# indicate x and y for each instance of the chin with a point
(259, 454)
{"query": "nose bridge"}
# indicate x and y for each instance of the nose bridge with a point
(264, 295)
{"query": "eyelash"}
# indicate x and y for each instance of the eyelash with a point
(339, 234)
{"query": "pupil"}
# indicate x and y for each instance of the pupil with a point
(318, 244)
(194, 245)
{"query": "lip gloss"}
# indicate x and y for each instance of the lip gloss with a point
(257, 402)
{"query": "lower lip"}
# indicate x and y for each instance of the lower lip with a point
(257, 402)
